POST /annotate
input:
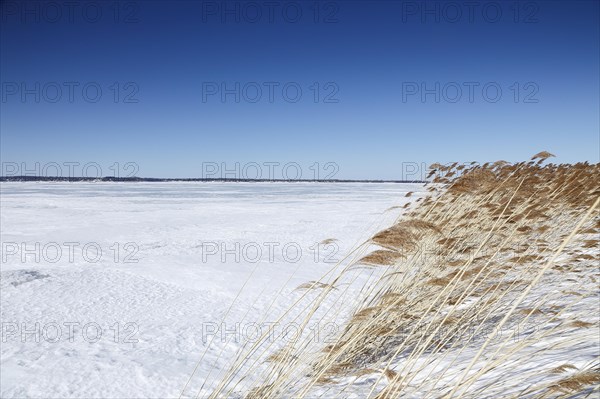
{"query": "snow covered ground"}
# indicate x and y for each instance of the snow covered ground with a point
(131, 280)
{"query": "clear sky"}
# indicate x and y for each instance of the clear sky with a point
(368, 86)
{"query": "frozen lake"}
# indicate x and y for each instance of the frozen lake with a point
(107, 289)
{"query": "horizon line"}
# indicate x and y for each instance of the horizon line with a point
(11, 179)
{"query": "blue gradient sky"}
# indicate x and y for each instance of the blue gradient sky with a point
(370, 51)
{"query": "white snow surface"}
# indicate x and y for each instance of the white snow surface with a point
(156, 315)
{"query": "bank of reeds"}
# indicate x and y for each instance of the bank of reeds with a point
(488, 287)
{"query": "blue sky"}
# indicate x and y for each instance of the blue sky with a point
(362, 68)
